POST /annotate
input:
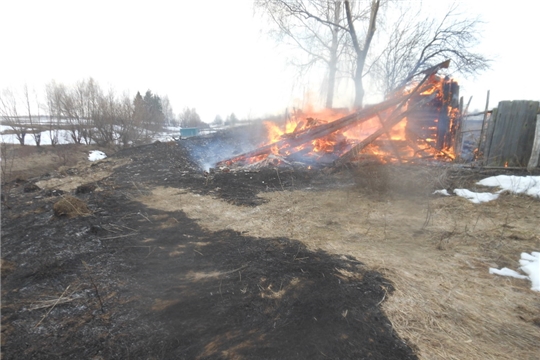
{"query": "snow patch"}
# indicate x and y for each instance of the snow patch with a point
(441, 192)
(475, 197)
(96, 155)
(529, 185)
(530, 265)
(507, 272)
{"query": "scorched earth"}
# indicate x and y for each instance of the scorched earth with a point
(354, 262)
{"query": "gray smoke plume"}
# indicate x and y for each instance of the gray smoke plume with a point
(207, 150)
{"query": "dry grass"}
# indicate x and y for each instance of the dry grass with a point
(30, 161)
(72, 178)
(436, 251)
(455, 314)
(71, 207)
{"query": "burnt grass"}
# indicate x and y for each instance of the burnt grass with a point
(140, 283)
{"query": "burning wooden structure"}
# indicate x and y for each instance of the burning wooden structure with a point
(428, 115)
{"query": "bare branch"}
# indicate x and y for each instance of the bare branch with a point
(414, 45)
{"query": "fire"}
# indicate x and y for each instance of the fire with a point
(434, 84)
(427, 131)
(302, 121)
(274, 132)
(334, 144)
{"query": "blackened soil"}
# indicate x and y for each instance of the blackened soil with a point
(169, 164)
(139, 283)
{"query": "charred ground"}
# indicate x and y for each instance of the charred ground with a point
(129, 281)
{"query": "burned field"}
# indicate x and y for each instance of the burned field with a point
(131, 281)
(340, 262)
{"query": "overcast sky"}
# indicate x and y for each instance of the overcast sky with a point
(213, 55)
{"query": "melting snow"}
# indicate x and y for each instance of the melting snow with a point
(529, 185)
(530, 265)
(96, 155)
(442, 192)
(475, 197)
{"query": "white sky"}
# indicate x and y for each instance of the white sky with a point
(212, 55)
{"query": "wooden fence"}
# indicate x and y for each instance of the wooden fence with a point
(511, 133)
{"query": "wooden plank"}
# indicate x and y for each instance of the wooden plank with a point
(466, 116)
(518, 119)
(489, 135)
(482, 140)
(535, 151)
(511, 122)
(502, 123)
(527, 134)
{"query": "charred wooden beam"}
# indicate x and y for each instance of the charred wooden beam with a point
(297, 139)
(429, 71)
(393, 120)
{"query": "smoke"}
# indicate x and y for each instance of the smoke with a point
(207, 151)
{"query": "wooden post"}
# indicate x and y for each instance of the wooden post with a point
(481, 142)
(489, 134)
(535, 155)
(467, 107)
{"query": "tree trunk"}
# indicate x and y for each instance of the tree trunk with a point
(361, 53)
(359, 84)
(20, 137)
(332, 64)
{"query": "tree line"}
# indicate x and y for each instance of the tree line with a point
(89, 114)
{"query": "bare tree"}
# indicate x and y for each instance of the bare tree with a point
(105, 119)
(316, 28)
(129, 130)
(415, 43)
(64, 103)
(168, 113)
(7, 160)
(33, 115)
(9, 111)
(361, 51)
(189, 118)
(326, 31)
(54, 93)
(75, 106)
(91, 115)
(89, 94)
(78, 105)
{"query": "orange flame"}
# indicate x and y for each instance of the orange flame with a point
(339, 142)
